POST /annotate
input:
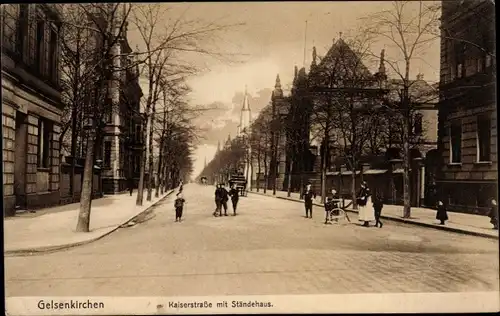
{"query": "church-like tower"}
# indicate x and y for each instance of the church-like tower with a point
(245, 115)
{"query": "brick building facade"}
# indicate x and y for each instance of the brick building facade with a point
(467, 136)
(31, 106)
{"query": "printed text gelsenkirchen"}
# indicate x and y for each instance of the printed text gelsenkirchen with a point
(71, 304)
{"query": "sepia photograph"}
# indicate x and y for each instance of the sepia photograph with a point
(250, 157)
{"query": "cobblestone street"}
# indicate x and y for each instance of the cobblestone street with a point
(268, 248)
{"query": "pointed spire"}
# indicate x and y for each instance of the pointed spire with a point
(278, 82)
(218, 146)
(295, 72)
(314, 56)
(381, 68)
(205, 164)
(340, 35)
(277, 93)
(246, 104)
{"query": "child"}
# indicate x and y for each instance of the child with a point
(441, 215)
(179, 205)
(378, 204)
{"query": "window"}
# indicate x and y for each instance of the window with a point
(483, 138)
(480, 64)
(9, 24)
(32, 42)
(456, 142)
(108, 107)
(138, 134)
(107, 155)
(460, 61)
(44, 134)
(418, 125)
(488, 60)
(22, 35)
(52, 61)
(39, 49)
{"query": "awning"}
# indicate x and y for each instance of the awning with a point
(332, 173)
(399, 170)
(375, 171)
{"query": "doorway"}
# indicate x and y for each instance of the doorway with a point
(20, 155)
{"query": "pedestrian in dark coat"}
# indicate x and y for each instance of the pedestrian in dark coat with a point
(378, 204)
(493, 214)
(221, 198)
(179, 206)
(308, 196)
(234, 194)
(131, 186)
(441, 214)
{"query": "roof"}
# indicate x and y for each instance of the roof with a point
(342, 52)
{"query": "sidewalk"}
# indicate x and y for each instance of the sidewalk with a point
(54, 228)
(459, 222)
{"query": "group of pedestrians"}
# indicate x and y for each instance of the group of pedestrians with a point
(222, 197)
(371, 205)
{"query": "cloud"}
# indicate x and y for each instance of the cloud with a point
(224, 119)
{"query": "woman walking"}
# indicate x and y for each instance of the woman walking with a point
(442, 214)
(364, 200)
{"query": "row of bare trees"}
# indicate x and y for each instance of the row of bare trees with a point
(354, 111)
(95, 67)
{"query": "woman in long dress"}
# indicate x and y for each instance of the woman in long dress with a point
(366, 213)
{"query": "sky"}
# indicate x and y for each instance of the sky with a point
(271, 40)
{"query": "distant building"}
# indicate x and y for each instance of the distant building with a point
(467, 133)
(31, 105)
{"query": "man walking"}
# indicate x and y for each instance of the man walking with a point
(308, 196)
(234, 193)
(221, 198)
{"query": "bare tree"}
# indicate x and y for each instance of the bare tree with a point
(409, 27)
(179, 36)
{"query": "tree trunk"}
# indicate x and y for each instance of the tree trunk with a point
(74, 123)
(83, 224)
(353, 188)
(406, 170)
(150, 145)
(266, 178)
(158, 172)
(323, 169)
(259, 168)
(289, 193)
(140, 187)
(406, 143)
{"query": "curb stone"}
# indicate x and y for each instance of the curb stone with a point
(403, 220)
(50, 249)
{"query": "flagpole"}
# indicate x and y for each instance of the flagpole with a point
(305, 44)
